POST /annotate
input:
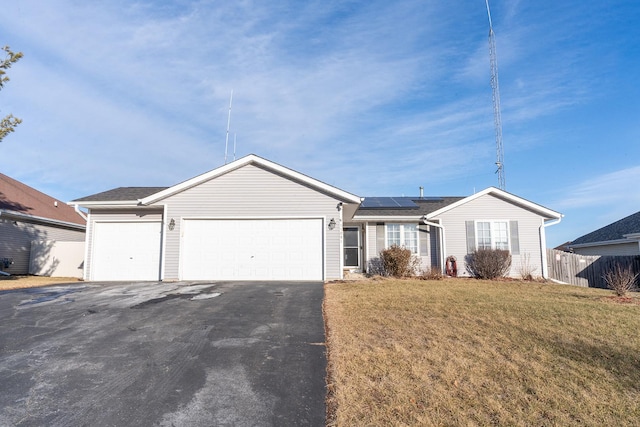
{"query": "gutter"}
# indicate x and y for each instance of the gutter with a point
(443, 246)
(385, 218)
(42, 220)
(543, 245)
(605, 242)
(111, 203)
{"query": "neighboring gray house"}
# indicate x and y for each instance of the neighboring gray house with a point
(28, 215)
(618, 238)
(253, 219)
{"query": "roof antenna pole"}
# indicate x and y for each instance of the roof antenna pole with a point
(234, 146)
(495, 88)
(226, 141)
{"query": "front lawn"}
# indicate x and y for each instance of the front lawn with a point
(20, 282)
(469, 352)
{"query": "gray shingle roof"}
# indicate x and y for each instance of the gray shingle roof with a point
(425, 206)
(613, 231)
(121, 194)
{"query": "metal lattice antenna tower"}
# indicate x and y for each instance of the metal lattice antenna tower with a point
(495, 87)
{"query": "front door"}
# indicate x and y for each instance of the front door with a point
(351, 247)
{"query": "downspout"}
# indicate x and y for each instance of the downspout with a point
(341, 238)
(75, 208)
(88, 233)
(443, 245)
(543, 245)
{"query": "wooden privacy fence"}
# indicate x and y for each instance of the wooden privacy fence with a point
(586, 270)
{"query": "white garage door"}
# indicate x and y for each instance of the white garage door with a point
(126, 251)
(252, 249)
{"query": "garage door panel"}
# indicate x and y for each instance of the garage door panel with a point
(126, 251)
(253, 249)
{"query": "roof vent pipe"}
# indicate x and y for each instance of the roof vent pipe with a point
(421, 192)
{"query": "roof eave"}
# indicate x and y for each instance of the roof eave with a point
(545, 212)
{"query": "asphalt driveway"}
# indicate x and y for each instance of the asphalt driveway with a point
(163, 354)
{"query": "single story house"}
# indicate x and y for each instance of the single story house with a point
(619, 238)
(254, 219)
(27, 216)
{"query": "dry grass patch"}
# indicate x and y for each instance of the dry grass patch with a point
(468, 352)
(19, 282)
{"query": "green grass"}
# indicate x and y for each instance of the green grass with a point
(467, 352)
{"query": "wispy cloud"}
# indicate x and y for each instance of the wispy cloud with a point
(377, 97)
(613, 190)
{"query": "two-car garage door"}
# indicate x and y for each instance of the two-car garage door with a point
(252, 249)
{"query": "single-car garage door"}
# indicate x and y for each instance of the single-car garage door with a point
(252, 249)
(126, 251)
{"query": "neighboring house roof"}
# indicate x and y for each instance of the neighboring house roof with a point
(21, 201)
(565, 247)
(618, 230)
(148, 195)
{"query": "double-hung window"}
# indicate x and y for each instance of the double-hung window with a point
(492, 235)
(404, 235)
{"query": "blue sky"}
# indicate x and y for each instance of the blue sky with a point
(374, 97)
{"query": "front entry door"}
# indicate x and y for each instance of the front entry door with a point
(351, 247)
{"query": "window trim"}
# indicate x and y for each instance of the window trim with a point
(402, 234)
(492, 231)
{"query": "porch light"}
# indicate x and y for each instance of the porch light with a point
(172, 224)
(332, 224)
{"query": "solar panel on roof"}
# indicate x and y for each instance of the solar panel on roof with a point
(387, 203)
(405, 202)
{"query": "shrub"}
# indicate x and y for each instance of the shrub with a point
(398, 262)
(526, 270)
(488, 263)
(620, 279)
(431, 274)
